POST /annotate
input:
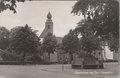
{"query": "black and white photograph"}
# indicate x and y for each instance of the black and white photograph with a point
(59, 39)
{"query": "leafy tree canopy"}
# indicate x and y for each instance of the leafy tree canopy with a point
(104, 19)
(49, 43)
(70, 43)
(9, 4)
(4, 38)
(90, 43)
(24, 42)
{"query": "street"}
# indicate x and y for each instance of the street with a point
(55, 71)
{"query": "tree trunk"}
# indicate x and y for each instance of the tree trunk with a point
(82, 65)
(24, 54)
(71, 58)
(49, 57)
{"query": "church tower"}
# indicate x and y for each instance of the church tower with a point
(48, 26)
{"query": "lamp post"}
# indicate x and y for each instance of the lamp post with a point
(62, 52)
(62, 62)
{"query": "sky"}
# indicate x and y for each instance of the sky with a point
(34, 14)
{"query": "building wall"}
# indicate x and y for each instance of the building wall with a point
(108, 53)
(115, 56)
(53, 57)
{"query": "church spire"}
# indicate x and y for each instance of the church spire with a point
(48, 26)
(49, 16)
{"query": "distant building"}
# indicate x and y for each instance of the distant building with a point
(108, 54)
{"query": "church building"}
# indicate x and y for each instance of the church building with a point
(107, 54)
(49, 29)
(48, 26)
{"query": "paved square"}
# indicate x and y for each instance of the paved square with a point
(55, 71)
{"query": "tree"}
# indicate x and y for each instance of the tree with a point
(14, 31)
(9, 4)
(70, 44)
(49, 44)
(4, 38)
(88, 41)
(24, 42)
(104, 16)
(4, 45)
(7, 56)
